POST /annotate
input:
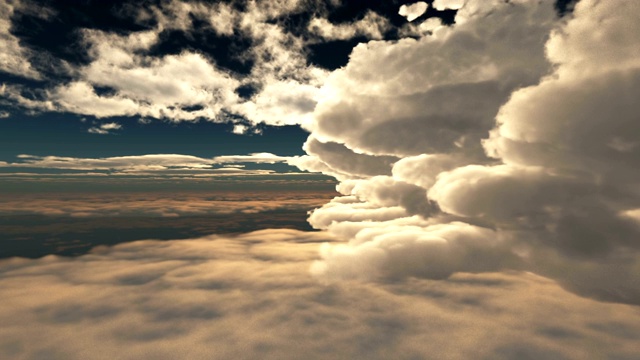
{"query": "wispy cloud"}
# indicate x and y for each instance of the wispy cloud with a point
(252, 158)
(154, 164)
(105, 129)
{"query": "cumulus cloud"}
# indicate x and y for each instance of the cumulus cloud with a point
(251, 296)
(510, 144)
(423, 91)
(413, 11)
(341, 162)
(449, 4)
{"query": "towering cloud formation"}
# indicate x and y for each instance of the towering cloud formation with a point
(517, 147)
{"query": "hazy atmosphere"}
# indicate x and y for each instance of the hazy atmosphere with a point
(320, 179)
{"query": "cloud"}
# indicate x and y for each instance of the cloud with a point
(116, 163)
(372, 26)
(448, 4)
(12, 55)
(413, 11)
(441, 105)
(105, 129)
(125, 76)
(158, 204)
(251, 296)
(341, 162)
(498, 158)
(163, 87)
(4, 114)
(152, 164)
(251, 158)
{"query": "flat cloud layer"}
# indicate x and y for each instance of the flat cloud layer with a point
(152, 164)
(158, 204)
(252, 296)
(516, 147)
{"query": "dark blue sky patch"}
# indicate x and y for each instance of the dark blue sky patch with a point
(104, 91)
(192, 108)
(65, 135)
(247, 91)
(332, 54)
(565, 7)
(227, 52)
(59, 34)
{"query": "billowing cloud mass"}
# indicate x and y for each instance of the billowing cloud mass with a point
(506, 141)
(252, 297)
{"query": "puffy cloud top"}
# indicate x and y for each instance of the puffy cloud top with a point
(516, 142)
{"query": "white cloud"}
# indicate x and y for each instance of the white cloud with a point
(123, 79)
(13, 57)
(80, 97)
(152, 164)
(341, 162)
(372, 26)
(426, 93)
(448, 4)
(105, 129)
(114, 163)
(251, 158)
(280, 102)
(413, 11)
(145, 86)
(556, 116)
(251, 296)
